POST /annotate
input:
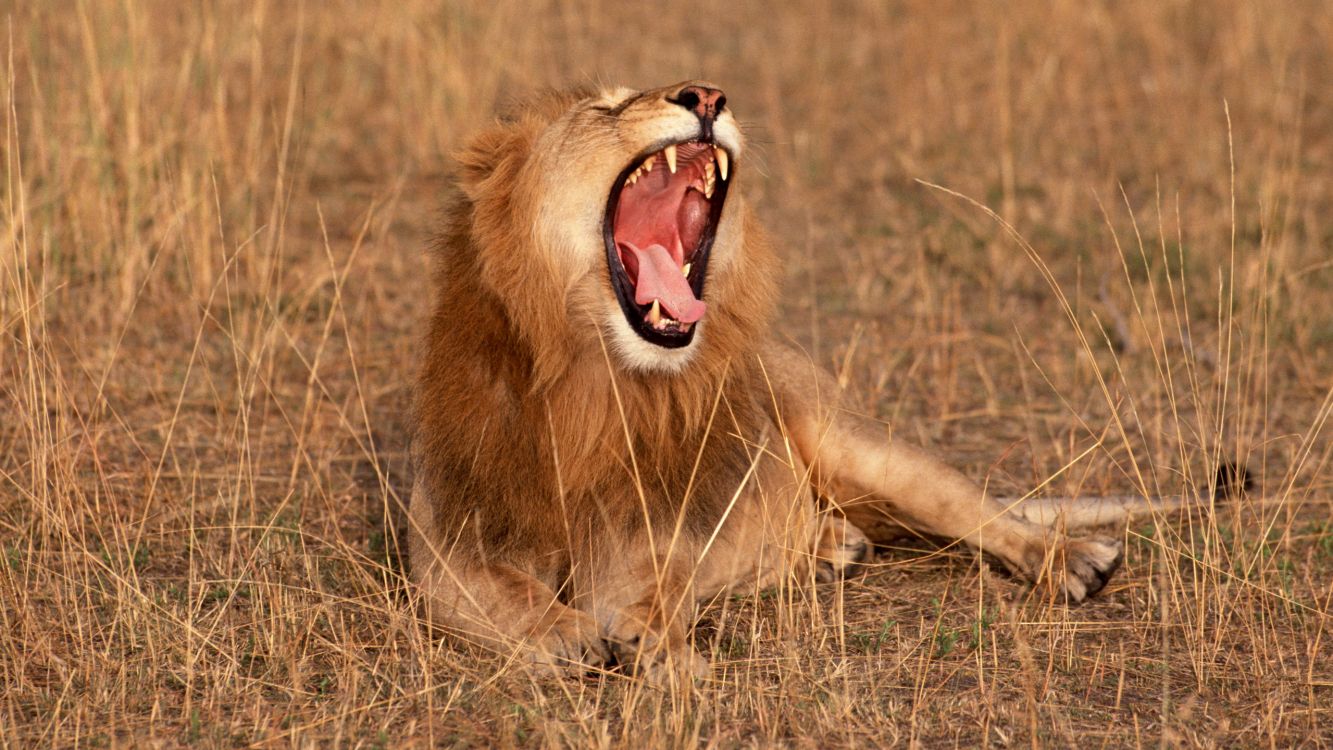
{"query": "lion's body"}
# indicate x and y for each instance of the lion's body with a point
(578, 488)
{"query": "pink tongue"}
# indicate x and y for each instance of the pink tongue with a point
(660, 279)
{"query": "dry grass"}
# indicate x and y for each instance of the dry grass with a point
(211, 265)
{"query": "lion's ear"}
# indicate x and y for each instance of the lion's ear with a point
(478, 159)
(506, 144)
(486, 153)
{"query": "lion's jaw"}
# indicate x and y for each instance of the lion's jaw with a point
(638, 214)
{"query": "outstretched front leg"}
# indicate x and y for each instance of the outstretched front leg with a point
(887, 483)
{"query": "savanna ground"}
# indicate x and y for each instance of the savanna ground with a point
(211, 268)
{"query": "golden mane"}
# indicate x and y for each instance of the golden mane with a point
(500, 358)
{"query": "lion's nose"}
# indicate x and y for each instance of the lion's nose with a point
(703, 101)
(706, 104)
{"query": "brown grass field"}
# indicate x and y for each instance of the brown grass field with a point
(212, 267)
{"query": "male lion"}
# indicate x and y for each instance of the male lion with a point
(607, 430)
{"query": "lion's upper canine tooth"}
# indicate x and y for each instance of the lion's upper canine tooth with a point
(670, 152)
(721, 156)
(655, 314)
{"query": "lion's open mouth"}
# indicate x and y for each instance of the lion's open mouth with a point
(660, 221)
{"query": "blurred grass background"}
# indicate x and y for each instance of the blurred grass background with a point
(211, 269)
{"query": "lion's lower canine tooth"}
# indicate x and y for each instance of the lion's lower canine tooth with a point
(686, 270)
(721, 155)
(655, 314)
(670, 152)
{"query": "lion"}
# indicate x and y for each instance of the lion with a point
(608, 429)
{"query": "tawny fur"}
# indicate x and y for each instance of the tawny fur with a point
(575, 493)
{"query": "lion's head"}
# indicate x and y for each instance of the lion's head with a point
(611, 218)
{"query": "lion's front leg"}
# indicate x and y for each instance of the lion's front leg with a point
(645, 590)
(509, 611)
(496, 604)
(645, 604)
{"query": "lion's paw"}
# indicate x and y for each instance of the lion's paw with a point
(661, 659)
(1081, 567)
(567, 641)
(683, 666)
(841, 549)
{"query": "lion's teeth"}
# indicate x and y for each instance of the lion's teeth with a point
(721, 156)
(686, 270)
(655, 314)
(670, 152)
(647, 165)
(708, 187)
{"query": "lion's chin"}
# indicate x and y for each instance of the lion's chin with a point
(661, 218)
(636, 354)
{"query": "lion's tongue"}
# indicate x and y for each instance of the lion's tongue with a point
(660, 279)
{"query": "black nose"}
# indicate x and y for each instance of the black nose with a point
(706, 104)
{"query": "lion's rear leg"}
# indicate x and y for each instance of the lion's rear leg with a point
(909, 487)
(857, 457)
